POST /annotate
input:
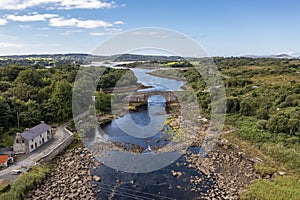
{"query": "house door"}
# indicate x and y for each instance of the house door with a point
(43, 140)
(35, 144)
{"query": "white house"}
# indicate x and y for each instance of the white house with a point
(32, 138)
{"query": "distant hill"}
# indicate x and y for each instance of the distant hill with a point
(282, 56)
(135, 57)
(81, 56)
(277, 56)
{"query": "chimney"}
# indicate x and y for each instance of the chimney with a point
(42, 122)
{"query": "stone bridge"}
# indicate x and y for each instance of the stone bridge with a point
(132, 97)
(142, 97)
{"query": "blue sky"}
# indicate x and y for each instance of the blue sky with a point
(221, 27)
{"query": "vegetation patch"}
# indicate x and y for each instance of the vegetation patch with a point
(25, 183)
(286, 187)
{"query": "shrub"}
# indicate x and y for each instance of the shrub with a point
(262, 113)
(233, 105)
(278, 124)
(262, 123)
(264, 170)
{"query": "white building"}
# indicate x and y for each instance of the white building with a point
(32, 138)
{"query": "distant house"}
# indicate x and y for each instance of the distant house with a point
(32, 138)
(6, 160)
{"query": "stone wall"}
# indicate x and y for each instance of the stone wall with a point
(60, 147)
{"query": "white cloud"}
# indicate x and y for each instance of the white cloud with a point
(107, 31)
(6, 45)
(25, 26)
(60, 22)
(119, 23)
(3, 22)
(93, 24)
(56, 4)
(71, 32)
(86, 4)
(30, 18)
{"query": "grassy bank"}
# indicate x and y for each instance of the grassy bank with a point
(280, 153)
(24, 183)
(286, 187)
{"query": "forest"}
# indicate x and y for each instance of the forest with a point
(30, 94)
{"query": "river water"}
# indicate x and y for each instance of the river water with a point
(159, 184)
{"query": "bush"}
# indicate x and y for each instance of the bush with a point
(233, 105)
(262, 113)
(248, 107)
(262, 123)
(278, 124)
(249, 130)
(264, 170)
(26, 182)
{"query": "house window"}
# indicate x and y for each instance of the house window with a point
(23, 141)
(48, 131)
(32, 146)
(40, 135)
(40, 142)
(17, 141)
(32, 140)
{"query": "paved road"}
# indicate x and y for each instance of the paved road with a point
(30, 159)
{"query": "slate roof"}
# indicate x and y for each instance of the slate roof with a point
(35, 131)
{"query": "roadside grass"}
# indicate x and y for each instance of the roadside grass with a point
(4, 186)
(25, 182)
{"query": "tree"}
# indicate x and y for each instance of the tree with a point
(103, 101)
(30, 77)
(61, 101)
(5, 113)
(31, 115)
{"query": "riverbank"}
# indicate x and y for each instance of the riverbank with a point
(70, 177)
(228, 167)
(232, 167)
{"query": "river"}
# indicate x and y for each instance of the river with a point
(159, 184)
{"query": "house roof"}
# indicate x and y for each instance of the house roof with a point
(3, 158)
(35, 131)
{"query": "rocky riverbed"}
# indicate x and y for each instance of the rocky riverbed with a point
(222, 174)
(226, 167)
(70, 177)
(232, 171)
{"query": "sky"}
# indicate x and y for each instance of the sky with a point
(221, 27)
